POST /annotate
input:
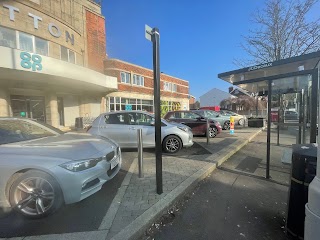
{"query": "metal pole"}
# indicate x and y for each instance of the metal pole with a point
(304, 116)
(313, 107)
(300, 116)
(156, 76)
(208, 126)
(278, 127)
(269, 129)
(140, 153)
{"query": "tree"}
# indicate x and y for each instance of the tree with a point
(246, 103)
(281, 31)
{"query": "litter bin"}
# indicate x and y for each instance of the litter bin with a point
(303, 170)
(79, 123)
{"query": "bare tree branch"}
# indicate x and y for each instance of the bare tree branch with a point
(281, 30)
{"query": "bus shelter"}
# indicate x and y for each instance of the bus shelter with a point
(291, 88)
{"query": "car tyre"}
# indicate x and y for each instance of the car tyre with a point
(213, 132)
(172, 144)
(35, 194)
(241, 122)
(226, 125)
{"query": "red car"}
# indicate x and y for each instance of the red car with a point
(196, 122)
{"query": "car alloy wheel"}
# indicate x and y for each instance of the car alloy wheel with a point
(226, 125)
(35, 195)
(213, 132)
(241, 122)
(172, 144)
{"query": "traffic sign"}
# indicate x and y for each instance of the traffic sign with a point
(148, 32)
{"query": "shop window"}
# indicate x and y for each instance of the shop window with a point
(119, 103)
(138, 80)
(26, 42)
(7, 37)
(67, 55)
(41, 46)
(125, 77)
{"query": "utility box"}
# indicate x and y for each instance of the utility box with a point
(303, 170)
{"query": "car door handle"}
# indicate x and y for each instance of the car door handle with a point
(132, 128)
(182, 122)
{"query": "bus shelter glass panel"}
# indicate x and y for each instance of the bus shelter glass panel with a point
(290, 121)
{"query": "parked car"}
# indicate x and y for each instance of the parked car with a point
(122, 127)
(42, 168)
(195, 121)
(238, 119)
(291, 115)
(223, 120)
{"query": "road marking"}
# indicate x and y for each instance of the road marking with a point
(107, 221)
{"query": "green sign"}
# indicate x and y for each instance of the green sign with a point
(31, 61)
(22, 114)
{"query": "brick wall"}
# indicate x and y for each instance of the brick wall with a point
(96, 41)
(114, 67)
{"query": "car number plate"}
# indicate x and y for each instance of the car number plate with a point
(114, 162)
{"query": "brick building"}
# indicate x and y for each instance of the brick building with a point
(135, 88)
(51, 65)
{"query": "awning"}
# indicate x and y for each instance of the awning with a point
(254, 78)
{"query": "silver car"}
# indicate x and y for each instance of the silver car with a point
(42, 168)
(122, 128)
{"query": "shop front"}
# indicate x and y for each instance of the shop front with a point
(50, 90)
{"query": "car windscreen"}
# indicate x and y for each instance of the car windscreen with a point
(19, 130)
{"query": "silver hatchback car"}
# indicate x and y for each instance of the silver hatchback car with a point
(41, 167)
(122, 128)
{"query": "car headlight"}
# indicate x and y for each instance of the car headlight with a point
(77, 166)
(183, 128)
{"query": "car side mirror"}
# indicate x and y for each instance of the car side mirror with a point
(218, 115)
(152, 123)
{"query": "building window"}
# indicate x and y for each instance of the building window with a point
(138, 80)
(119, 103)
(167, 86)
(67, 55)
(7, 38)
(174, 87)
(41, 46)
(170, 87)
(125, 77)
(26, 42)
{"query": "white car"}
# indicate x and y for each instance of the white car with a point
(122, 128)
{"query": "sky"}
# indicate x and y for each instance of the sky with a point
(198, 39)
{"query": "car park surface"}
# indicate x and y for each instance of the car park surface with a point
(43, 168)
(195, 121)
(122, 127)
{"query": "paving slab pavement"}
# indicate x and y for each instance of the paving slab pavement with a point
(180, 175)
